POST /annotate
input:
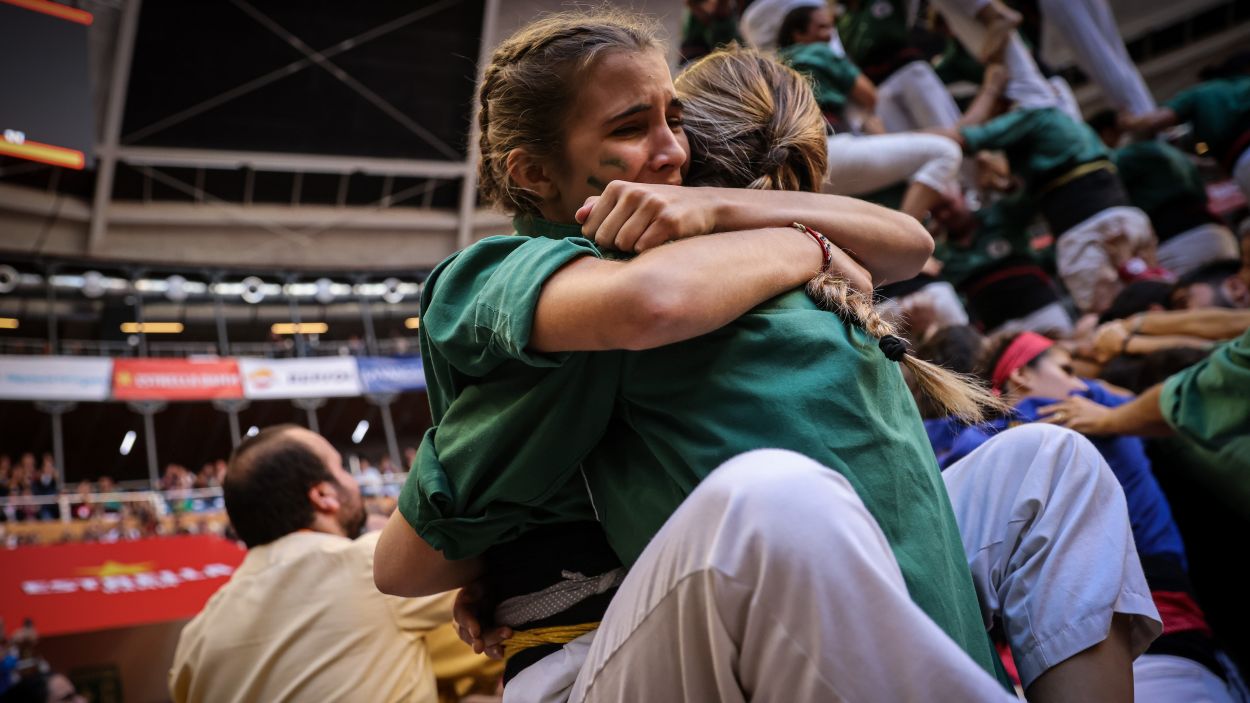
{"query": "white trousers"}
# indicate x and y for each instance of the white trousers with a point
(1089, 30)
(864, 164)
(1045, 526)
(914, 98)
(773, 582)
(1198, 246)
(1051, 319)
(1026, 85)
(1088, 255)
(1162, 678)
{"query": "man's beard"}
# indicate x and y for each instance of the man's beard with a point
(353, 523)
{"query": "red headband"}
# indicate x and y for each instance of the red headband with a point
(1023, 349)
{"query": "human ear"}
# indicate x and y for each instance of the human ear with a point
(1019, 378)
(531, 174)
(324, 498)
(1236, 291)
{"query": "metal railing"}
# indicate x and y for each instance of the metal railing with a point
(269, 350)
(371, 486)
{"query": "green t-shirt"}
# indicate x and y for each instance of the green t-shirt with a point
(503, 415)
(874, 31)
(832, 76)
(1208, 404)
(1156, 175)
(1002, 231)
(521, 432)
(955, 64)
(1041, 144)
(706, 36)
(1219, 111)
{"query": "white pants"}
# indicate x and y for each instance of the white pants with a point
(1162, 678)
(1198, 246)
(1089, 30)
(865, 164)
(1026, 85)
(1241, 173)
(1088, 255)
(772, 582)
(722, 598)
(1051, 319)
(944, 309)
(914, 98)
(1045, 526)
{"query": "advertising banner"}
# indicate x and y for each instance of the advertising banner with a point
(316, 377)
(382, 374)
(73, 588)
(176, 379)
(54, 378)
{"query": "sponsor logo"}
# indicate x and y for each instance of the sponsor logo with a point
(113, 577)
(262, 378)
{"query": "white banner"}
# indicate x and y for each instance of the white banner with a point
(316, 377)
(55, 378)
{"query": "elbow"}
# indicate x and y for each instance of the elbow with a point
(916, 246)
(386, 578)
(657, 314)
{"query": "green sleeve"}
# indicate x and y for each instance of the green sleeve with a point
(999, 133)
(1209, 403)
(481, 310)
(827, 70)
(1183, 103)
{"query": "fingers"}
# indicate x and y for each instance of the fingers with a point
(600, 209)
(640, 222)
(584, 211)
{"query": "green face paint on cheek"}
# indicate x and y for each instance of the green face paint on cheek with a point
(596, 183)
(614, 163)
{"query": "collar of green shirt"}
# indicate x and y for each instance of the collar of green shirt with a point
(528, 226)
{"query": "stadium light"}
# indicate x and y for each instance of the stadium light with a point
(299, 328)
(413, 323)
(8, 323)
(128, 442)
(152, 327)
(358, 434)
(253, 431)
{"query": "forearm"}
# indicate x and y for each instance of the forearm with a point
(1141, 416)
(1212, 324)
(671, 293)
(890, 244)
(406, 565)
(1150, 122)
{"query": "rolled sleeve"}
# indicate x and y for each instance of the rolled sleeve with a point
(480, 311)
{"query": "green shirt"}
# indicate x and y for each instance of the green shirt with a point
(1219, 111)
(874, 31)
(642, 429)
(709, 35)
(1041, 144)
(955, 64)
(1156, 174)
(1208, 404)
(1002, 231)
(832, 76)
(502, 415)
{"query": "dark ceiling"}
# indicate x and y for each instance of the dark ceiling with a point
(420, 61)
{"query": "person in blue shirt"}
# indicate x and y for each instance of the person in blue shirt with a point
(1032, 373)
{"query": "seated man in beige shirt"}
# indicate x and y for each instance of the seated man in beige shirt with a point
(301, 619)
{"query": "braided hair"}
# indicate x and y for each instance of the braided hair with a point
(753, 122)
(529, 85)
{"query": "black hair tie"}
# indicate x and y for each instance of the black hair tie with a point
(893, 347)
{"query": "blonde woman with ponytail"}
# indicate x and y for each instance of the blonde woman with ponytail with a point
(583, 403)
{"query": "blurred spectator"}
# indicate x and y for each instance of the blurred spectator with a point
(1166, 185)
(45, 485)
(39, 687)
(82, 508)
(1215, 285)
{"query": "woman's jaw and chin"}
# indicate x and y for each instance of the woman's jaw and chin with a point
(623, 125)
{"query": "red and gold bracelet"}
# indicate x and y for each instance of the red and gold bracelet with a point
(826, 246)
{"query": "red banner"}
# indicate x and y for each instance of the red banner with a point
(71, 588)
(176, 379)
